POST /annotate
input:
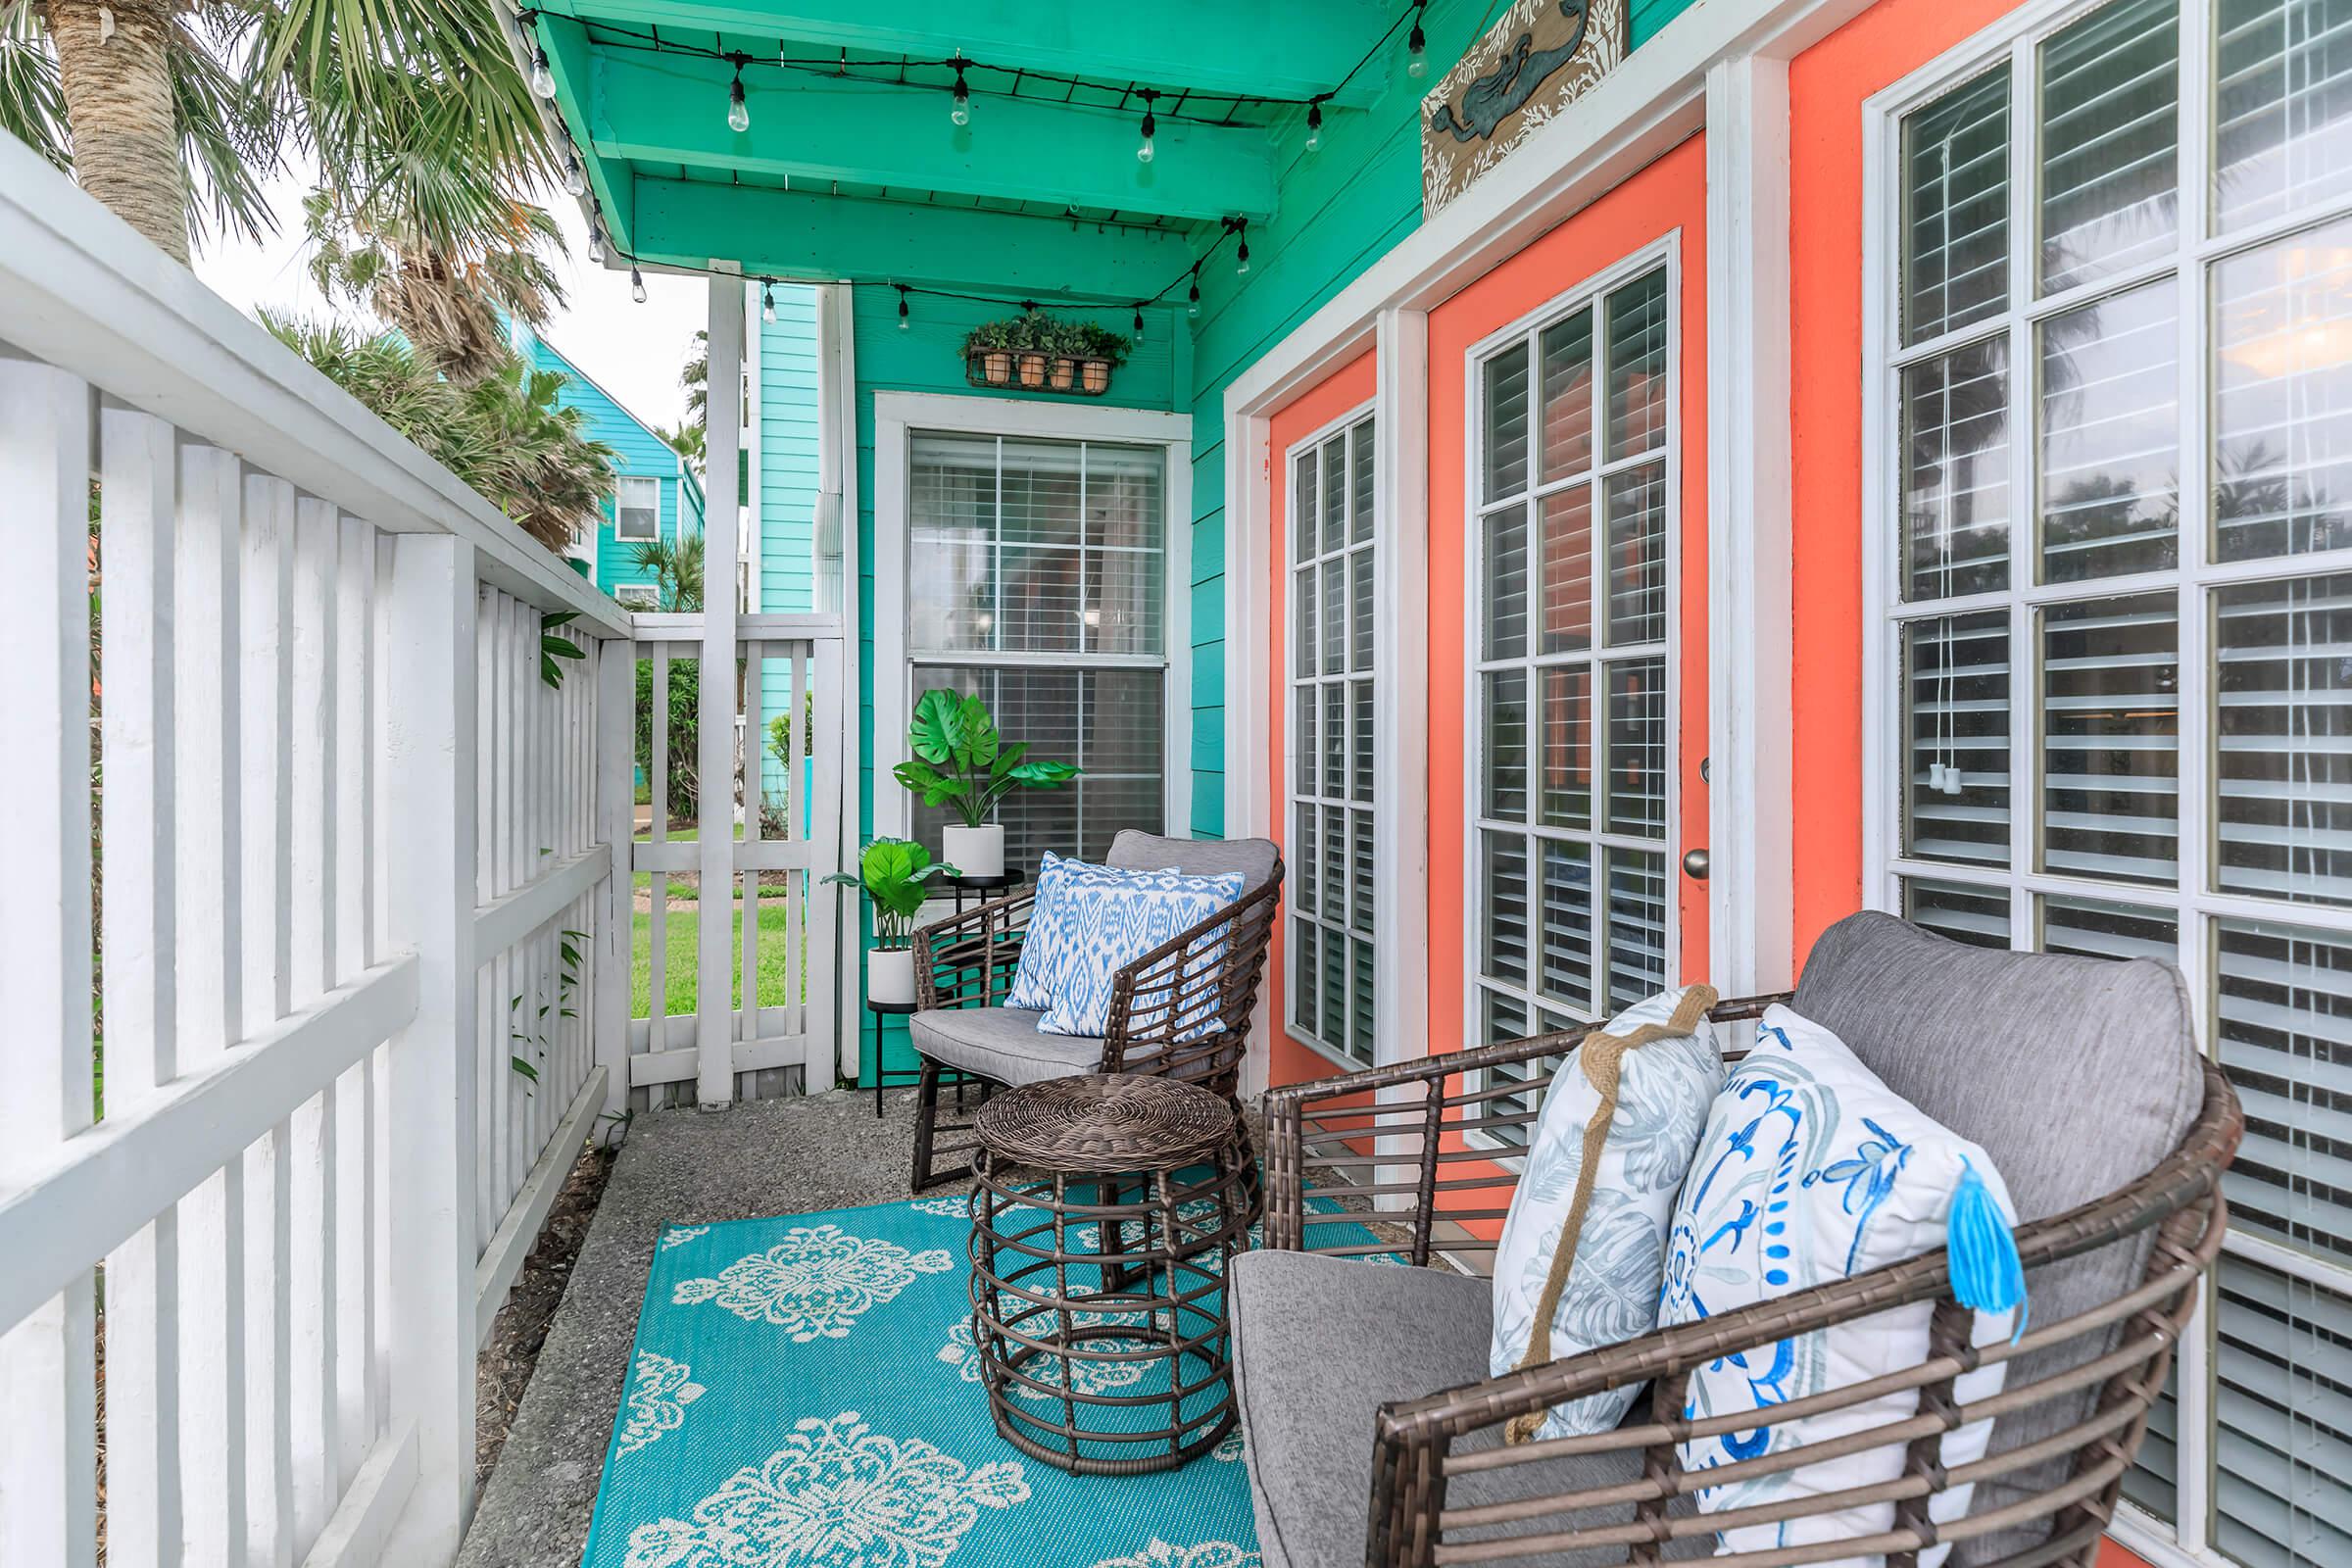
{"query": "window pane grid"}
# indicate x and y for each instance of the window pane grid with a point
(1573, 915)
(2162, 765)
(1330, 963)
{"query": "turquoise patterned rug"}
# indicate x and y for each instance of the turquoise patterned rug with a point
(803, 1394)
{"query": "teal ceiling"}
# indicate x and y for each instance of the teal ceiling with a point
(852, 167)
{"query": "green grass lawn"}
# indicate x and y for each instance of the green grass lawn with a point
(682, 936)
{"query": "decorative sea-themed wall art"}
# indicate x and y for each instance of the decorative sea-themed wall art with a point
(1540, 58)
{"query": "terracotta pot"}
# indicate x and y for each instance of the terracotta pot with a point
(1062, 372)
(1033, 367)
(1096, 374)
(997, 365)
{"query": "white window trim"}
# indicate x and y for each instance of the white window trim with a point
(638, 595)
(1381, 626)
(896, 415)
(2011, 40)
(619, 483)
(1666, 251)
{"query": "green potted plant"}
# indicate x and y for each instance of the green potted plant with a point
(960, 761)
(895, 874)
(1065, 343)
(1100, 351)
(1031, 334)
(988, 353)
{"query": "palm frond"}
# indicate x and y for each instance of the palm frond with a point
(31, 108)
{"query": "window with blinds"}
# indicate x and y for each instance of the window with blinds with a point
(1575, 499)
(1333, 983)
(1036, 579)
(2120, 628)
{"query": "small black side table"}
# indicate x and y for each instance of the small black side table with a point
(979, 889)
(883, 1075)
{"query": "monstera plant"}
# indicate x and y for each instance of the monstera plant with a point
(895, 874)
(960, 762)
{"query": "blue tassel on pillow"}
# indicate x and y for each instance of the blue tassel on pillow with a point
(1987, 1274)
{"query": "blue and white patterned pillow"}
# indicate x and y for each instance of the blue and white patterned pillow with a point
(1811, 1170)
(1050, 924)
(1108, 925)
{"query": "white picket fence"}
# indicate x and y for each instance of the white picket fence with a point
(363, 916)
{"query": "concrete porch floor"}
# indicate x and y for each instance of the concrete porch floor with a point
(774, 1157)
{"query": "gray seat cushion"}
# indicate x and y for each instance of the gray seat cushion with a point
(1137, 851)
(2076, 1075)
(1003, 1043)
(1320, 1343)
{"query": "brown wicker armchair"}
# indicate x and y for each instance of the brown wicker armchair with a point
(1388, 1450)
(963, 968)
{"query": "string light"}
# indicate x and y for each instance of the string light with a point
(636, 284)
(1144, 151)
(575, 178)
(596, 242)
(767, 301)
(738, 113)
(1241, 256)
(905, 316)
(961, 112)
(1315, 126)
(1191, 298)
(1416, 44)
(1138, 320)
(543, 80)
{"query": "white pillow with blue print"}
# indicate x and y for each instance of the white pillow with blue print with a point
(1657, 1071)
(1812, 1170)
(1047, 937)
(1106, 925)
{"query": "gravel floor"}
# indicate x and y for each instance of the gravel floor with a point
(776, 1156)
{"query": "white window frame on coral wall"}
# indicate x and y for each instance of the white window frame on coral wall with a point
(2191, 899)
(1663, 254)
(1295, 804)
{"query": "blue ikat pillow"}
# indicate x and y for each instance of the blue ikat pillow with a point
(1047, 940)
(1106, 925)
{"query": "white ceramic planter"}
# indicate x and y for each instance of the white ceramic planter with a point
(889, 975)
(974, 852)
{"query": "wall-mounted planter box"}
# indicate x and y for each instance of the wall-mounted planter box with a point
(1034, 371)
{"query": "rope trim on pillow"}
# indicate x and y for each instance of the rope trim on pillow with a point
(1601, 1058)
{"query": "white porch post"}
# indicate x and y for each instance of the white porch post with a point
(430, 802)
(1751, 885)
(616, 819)
(713, 1032)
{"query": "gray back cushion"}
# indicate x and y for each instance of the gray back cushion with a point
(2076, 1075)
(1137, 851)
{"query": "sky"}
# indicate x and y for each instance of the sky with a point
(632, 351)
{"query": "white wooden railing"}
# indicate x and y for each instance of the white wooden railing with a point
(364, 933)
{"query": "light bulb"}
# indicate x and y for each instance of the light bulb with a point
(768, 303)
(738, 113)
(1314, 127)
(543, 80)
(1417, 44)
(1138, 320)
(596, 244)
(1241, 260)
(906, 318)
(961, 112)
(575, 180)
(1144, 149)
(1192, 301)
(636, 285)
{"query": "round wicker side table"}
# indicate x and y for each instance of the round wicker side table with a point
(1107, 1210)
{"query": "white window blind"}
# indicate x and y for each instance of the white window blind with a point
(637, 507)
(1575, 495)
(1036, 580)
(2120, 627)
(1333, 982)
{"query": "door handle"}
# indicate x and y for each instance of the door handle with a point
(1694, 865)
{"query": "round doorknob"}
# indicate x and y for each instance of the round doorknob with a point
(1694, 865)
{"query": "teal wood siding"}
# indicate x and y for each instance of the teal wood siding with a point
(1344, 206)
(787, 438)
(927, 357)
(636, 450)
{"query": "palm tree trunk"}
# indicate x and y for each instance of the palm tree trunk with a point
(114, 71)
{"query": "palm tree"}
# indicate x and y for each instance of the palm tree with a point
(687, 441)
(696, 379)
(173, 113)
(503, 433)
(677, 571)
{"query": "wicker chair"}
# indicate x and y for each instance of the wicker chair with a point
(963, 966)
(1373, 1426)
